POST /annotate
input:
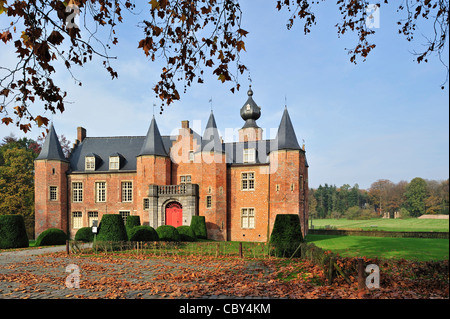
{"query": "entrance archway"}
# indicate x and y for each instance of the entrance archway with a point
(174, 214)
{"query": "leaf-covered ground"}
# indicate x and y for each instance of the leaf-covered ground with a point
(131, 276)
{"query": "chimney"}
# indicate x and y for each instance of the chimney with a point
(185, 124)
(81, 133)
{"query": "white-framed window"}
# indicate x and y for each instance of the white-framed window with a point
(185, 179)
(100, 192)
(124, 214)
(248, 181)
(77, 192)
(208, 201)
(93, 216)
(146, 203)
(77, 220)
(53, 193)
(249, 155)
(247, 218)
(89, 163)
(127, 191)
(114, 162)
(191, 156)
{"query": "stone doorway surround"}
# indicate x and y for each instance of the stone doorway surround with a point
(161, 195)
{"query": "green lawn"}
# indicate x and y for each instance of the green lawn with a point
(411, 224)
(384, 247)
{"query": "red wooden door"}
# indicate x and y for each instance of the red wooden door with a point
(174, 214)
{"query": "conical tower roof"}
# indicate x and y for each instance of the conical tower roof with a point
(153, 144)
(211, 139)
(286, 138)
(51, 149)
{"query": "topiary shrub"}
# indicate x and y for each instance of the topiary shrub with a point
(168, 233)
(132, 221)
(85, 234)
(286, 235)
(112, 228)
(198, 225)
(51, 236)
(186, 233)
(143, 233)
(12, 232)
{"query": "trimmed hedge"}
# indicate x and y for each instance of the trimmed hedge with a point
(112, 228)
(186, 233)
(286, 235)
(132, 221)
(198, 225)
(51, 236)
(85, 234)
(143, 233)
(12, 232)
(168, 233)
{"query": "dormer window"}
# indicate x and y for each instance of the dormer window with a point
(89, 163)
(249, 155)
(114, 162)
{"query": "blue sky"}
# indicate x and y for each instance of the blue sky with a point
(385, 118)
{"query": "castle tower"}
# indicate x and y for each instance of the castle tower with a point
(50, 186)
(250, 112)
(213, 185)
(289, 178)
(152, 168)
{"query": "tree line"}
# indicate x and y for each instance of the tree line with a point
(17, 157)
(410, 199)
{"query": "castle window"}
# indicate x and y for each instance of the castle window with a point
(247, 218)
(77, 220)
(114, 162)
(124, 214)
(249, 155)
(292, 187)
(77, 192)
(301, 183)
(185, 179)
(146, 203)
(127, 191)
(89, 163)
(53, 193)
(191, 156)
(248, 181)
(208, 201)
(100, 192)
(277, 187)
(93, 216)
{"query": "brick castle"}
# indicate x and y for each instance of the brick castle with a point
(239, 187)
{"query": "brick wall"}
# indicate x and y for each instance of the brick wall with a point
(50, 213)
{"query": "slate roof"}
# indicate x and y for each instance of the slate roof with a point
(211, 139)
(153, 144)
(51, 149)
(287, 140)
(129, 147)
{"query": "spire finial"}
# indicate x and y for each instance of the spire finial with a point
(211, 102)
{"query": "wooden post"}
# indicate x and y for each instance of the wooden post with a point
(240, 250)
(67, 248)
(361, 279)
(330, 271)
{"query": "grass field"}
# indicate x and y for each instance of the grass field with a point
(411, 224)
(423, 249)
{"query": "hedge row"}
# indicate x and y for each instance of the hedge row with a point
(12, 232)
(112, 228)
